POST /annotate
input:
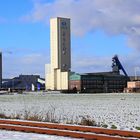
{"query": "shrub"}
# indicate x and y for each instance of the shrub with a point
(138, 128)
(104, 125)
(113, 127)
(87, 121)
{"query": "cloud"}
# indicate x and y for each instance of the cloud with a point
(98, 64)
(113, 16)
(32, 63)
(130, 63)
(101, 64)
(31, 58)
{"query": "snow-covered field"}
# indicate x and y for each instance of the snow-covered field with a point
(121, 110)
(11, 135)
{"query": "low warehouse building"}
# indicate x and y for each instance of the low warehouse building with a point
(103, 82)
(24, 82)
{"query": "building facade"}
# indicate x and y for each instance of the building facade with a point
(57, 73)
(133, 87)
(24, 82)
(103, 82)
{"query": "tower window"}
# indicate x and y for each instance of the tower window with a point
(63, 23)
(64, 52)
(64, 65)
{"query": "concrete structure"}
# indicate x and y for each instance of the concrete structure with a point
(75, 82)
(57, 73)
(0, 69)
(133, 86)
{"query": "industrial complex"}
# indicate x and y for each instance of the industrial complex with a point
(58, 74)
(101, 82)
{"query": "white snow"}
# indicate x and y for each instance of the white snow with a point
(12, 135)
(121, 110)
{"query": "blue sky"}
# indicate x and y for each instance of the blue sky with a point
(99, 30)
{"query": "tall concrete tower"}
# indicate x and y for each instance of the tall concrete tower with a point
(57, 73)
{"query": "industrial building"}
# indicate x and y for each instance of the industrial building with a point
(58, 75)
(102, 82)
(57, 72)
(132, 87)
(24, 82)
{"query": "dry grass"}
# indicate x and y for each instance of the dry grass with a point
(33, 117)
(3, 116)
(51, 117)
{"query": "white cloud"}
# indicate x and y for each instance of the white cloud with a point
(33, 63)
(130, 62)
(31, 58)
(91, 64)
(100, 64)
(113, 16)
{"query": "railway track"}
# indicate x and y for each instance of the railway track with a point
(83, 132)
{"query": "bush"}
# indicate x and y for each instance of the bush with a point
(104, 125)
(87, 121)
(113, 127)
(138, 128)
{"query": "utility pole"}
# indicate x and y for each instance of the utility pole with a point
(136, 69)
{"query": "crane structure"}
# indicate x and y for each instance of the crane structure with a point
(117, 66)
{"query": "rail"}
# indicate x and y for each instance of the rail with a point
(75, 131)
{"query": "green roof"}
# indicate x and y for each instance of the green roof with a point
(75, 76)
